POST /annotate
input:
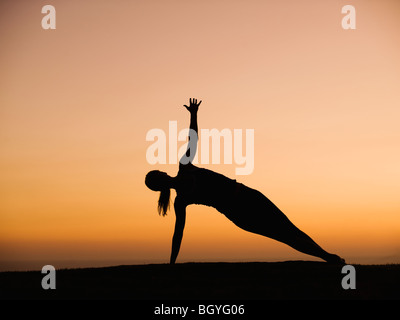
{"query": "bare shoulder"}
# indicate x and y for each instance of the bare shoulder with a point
(186, 168)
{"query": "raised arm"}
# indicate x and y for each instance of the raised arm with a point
(180, 212)
(193, 132)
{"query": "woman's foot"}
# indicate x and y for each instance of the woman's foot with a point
(335, 259)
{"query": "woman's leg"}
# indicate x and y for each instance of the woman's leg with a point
(259, 215)
(300, 241)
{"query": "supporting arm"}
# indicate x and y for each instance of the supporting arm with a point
(180, 212)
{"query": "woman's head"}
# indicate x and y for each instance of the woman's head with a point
(160, 181)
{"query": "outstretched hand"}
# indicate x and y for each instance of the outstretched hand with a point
(193, 106)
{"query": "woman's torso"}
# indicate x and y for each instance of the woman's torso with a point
(206, 187)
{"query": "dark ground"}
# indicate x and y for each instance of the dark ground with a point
(210, 281)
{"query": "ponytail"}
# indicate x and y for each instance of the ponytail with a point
(163, 202)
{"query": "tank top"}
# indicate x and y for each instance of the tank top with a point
(206, 187)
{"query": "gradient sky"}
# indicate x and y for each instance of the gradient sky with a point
(76, 104)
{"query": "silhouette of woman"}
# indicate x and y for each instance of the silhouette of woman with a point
(247, 208)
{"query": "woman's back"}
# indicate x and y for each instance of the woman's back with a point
(206, 187)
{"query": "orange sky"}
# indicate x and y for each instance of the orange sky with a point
(76, 104)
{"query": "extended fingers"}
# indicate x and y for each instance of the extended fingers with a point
(193, 101)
